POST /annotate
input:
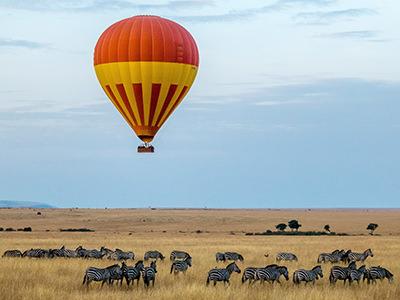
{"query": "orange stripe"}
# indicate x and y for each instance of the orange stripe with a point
(122, 93)
(138, 90)
(155, 94)
(116, 103)
(170, 95)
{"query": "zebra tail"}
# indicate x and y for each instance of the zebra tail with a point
(84, 278)
(244, 278)
(208, 280)
(172, 268)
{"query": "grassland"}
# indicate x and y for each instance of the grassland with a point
(202, 233)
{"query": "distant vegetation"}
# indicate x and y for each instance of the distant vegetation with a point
(76, 230)
(269, 232)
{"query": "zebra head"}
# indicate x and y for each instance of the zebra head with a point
(284, 271)
(153, 266)
(139, 265)
(388, 275)
(189, 261)
(352, 265)
(240, 257)
(233, 267)
(317, 270)
(368, 252)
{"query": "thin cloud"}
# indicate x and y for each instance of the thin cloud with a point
(327, 17)
(360, 34)
(23, 44)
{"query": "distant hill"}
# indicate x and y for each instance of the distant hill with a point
(5, 203)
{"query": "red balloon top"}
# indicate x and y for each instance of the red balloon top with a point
(146, 38)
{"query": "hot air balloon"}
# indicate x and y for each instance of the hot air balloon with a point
(146, 66)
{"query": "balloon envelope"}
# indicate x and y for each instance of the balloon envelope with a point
(146, 66)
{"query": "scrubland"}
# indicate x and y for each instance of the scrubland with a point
(202, 233)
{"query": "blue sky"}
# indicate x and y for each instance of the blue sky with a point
(296, 104)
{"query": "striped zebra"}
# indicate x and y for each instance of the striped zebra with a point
(286, 256)
(108, 253)
(374, 273)
(154, 255)
(341, 273)
(222, 274)
(181, 265)
(353, 256)
(58, 252)
(355, 275)
(307, 275)
(219, 256)
(116, 273)
(176, 254)
(272, 274)
(118, 254)
(72, 253)
(334, 257)
(37, 253)
(12, 253)
(233, 256)
(93, 254)
(149, 274)
(96, 274)
(132, 273)
(250, 273)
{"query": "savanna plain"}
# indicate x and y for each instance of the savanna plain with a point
(202, 233)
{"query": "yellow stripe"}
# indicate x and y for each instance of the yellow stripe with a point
(146, 73)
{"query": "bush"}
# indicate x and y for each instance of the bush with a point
(77, 230)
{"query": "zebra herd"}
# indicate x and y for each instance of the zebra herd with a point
(182, 260)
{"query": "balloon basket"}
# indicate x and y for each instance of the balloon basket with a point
(145, 149)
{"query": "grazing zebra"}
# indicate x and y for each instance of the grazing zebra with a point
(233, 256)
(181, 265)
(378, 272)
(355, 275)
(222, 274)
(334, 257)
(176, 254)
(286, 256)
(219, 256)
(352, 256)
(108, 253)
(153, 254)
(12, 253)
(93, 254)
(149, 274)
(272, 274)
(58, 252)
(96, 274)
(132, 273)
(341, 273)
(307, 275)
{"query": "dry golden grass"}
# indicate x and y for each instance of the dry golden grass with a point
(166, 230)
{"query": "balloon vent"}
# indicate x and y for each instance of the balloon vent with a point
(145, 148)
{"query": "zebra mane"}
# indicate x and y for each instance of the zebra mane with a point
(316, 267)
(230, 265)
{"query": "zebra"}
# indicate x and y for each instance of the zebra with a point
(179, 254)
(97, 274)
(149, 274)
(378, 272)
(132, 273)
(37, 253)
(108, 253)
(334, 257)
(219, 256)
(233, 256)
(58, 252)
(360, 256)
(307, 275)
(286, 256)
(118, 254)
(341, 273)
(12, 253)
(250, 273)
(222, 274)
(153, 254)
(356, 275)
(72, 253)
(115, 273)
(93, 254)
(272, 274)
(181, 265)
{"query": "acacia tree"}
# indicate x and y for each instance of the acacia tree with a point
(294, 224)
(281, 226)
(372, 227)
(327, 228)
